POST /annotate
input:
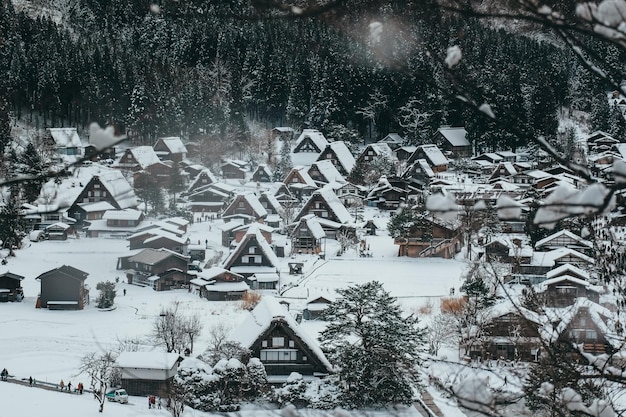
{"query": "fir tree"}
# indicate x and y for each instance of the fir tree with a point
(376, 350)
(106, 298)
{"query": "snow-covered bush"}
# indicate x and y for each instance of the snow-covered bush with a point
(223, 387)
(321, 394)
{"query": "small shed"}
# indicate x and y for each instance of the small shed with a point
(58, 231)
(11, 287)
(295, 268)
(147, 373)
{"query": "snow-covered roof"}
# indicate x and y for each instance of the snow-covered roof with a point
(563, 278)
(65, 137)
(433, 154)
(379, 148)
(253, 231)
(344, 156)
(549, 258)
(223, 286)
(456, 136)
(425, 167)
(271, 199)
(97, 206)
(256, 205)
(56, 195)
(392, 138)
(335, 204)
(261, 318)
(174, 144)
(560, 234)
(126, 214)
(560, 319)
(567, 268)
(508, 307)
(315, 135)
(304, 174)
(153, 256)
(211, 273)
(147, 360)
(265, 277)
(313, 224)
(145, 156)
(329, 171)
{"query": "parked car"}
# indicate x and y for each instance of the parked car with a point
(118, 395)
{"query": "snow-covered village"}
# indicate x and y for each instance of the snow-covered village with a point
(318, 209)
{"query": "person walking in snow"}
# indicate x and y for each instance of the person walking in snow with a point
(61, 385)
(30, 381)
(69, 386)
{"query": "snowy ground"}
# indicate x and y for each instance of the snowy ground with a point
(49, 345)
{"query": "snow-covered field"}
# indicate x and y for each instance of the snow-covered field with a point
(49, 345)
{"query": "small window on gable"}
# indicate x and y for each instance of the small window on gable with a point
(278, 342)
(292, 344)
(264, 343)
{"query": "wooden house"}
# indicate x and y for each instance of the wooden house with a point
(159, 173)
(283, 347)
(310, 140)
(562, 291)
(453, 140)
(315, 306)
(338, 153)
(387, 194)
(241, 230)
(218, 284)
(584, 323)
(211, 198)
(561, 256)
(137, 159)
(565, 239)
(325, 205)
(351, 195)
(245, 207)
(492, 158)
(375, 150)
(503, 171)
(512, 334)
(58, 231)
(273, 208)
(262, 174)
(437, 238)
(233, 169)
(89, 212)
(300, 183)
(252, 255)
(202, 179)
(264, 281)
(108, 186)
(600, 141)
(158, 239)
(282, 133)
(66, 143)
(419, 174)
(160, 269)
(116, 223)
(306, 235)
(324, 172)
(11, 287)
(393, 140)
(147, 373)
(507, 156)
(404, 152)
(171, 149)
(63, 288)
(433, 155)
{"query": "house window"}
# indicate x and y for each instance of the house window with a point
(278, 341)
(244, 259)
(591, 335)
(252, 249)
(279, 355)
(324, 214)
(264, 343)
(292, 344)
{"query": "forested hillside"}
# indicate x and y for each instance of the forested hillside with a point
(206, 66)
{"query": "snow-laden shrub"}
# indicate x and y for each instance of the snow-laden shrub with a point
(321, 394)
(223, 387)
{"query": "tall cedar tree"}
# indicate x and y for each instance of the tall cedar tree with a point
(376, 349)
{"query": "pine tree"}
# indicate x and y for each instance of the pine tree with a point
(600, 112)
(376, 349)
